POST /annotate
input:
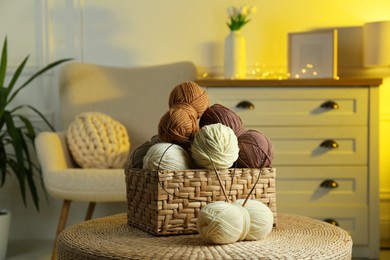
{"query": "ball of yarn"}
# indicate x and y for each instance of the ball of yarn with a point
(190, 93)
(261, 219)
(256, 150)
(220, 114)
(178, 125)
(96, 140)
(216, 144)
(137, 155)
(166, 156)
(223, 223)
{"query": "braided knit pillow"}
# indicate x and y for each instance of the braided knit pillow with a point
(96, 140)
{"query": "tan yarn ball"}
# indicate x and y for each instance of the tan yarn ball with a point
(178, 125)
(192, 94)
(96, 140)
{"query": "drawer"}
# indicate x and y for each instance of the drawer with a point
(305, 145)
(295, 106)
(305, 185)
(352, 219)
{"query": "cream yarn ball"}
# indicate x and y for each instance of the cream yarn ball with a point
(223, 223)
(262, 219)
(215, 142)
(166, 156)
(95, 140)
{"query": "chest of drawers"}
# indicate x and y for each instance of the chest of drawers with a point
(325, 138)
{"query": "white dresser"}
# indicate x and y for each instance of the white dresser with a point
(325, 138)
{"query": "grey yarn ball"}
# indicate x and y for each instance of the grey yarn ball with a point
(137, 156)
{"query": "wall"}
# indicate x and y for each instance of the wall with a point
(140, 33)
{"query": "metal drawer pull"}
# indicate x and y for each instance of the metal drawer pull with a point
(330, 105)
(245, 105)
(331, 221)
(331, 144)
(329, 184)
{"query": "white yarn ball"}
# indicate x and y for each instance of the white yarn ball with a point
(166, 156)
(217, 141)
(223, 223)
(262, 219)
(95, 140)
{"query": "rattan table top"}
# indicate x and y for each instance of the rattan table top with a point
(295, 237)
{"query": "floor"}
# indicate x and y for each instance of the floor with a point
(29, 250)
(41, 250)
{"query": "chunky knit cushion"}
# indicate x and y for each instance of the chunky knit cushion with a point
(96, 140)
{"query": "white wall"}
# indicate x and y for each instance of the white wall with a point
(139, 33)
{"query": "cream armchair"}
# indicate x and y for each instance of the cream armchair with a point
(136, 97)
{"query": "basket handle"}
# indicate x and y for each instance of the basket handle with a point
(258, 177)
(219, 179)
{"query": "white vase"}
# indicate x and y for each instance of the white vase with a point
(5, 221)
(235, 56)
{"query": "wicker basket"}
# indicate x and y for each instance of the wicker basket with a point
(168, 202)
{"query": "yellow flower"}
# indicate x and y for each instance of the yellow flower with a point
(252, 10)
(244, 10)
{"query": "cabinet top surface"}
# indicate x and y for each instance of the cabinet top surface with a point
(351, 82)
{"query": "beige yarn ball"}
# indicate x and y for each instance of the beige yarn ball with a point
(215, 143)
(262, 219)
(166, 156)
(223, 223)
(96, 140)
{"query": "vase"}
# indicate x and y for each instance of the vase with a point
(235, 56)
(5, 221)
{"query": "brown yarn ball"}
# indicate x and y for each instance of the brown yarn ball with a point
(218, 113)
(256, 150)
(190, 93)
(179, 125)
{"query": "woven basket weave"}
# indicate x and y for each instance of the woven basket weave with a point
(168, 202)
(295, 238)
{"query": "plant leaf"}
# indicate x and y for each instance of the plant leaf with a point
(16, 137)
(29, 127)
(29, 172)
(16, 165)
(41, 71)
(3, 103)
(23, 166)
(3, 165)
(37, 112)
(15, 77)
(3, 63)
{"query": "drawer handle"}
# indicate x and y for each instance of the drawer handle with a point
(331, 221)
(330, 105)
(330, 144)
(329, 184)
(245, 105)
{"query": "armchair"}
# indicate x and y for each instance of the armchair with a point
(136, 97)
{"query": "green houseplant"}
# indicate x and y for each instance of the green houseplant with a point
(17, 133)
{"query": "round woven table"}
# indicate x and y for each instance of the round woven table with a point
(295, 237)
